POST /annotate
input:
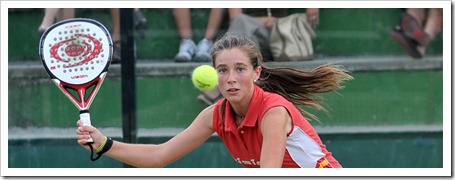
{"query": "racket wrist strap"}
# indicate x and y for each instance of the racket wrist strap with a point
(105, 146)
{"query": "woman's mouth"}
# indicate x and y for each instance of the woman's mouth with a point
(232, 90)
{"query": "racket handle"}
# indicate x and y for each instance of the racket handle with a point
(85, 118)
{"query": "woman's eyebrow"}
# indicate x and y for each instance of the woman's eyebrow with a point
(221, 65)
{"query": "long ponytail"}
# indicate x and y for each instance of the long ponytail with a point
(300, 87)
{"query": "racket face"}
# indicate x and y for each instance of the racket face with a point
(76, 51)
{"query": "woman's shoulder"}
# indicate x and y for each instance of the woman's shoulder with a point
(274, 97)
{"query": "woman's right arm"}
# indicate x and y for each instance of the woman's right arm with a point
(156, 155)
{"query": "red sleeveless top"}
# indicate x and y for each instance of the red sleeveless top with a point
(304, 148)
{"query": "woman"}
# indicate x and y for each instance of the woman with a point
(257, 118)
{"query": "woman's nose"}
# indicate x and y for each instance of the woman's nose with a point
(231, 77)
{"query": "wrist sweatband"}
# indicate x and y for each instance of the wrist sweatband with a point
(104, 147)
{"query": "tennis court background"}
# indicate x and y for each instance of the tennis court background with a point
(374, 98)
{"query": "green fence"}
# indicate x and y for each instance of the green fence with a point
(341, 32)
(359, 150)
(372, 98)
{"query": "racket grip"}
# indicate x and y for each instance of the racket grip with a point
(85, 118)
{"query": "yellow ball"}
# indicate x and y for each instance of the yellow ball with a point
(204, 77)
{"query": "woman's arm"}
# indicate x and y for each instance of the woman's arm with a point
(151, 155)
(275, 125)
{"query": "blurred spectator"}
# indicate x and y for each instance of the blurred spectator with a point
(140, 23)
(52, 15)
(257, 23)
(188, 50)
(416, 29)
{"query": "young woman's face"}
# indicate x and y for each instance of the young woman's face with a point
(235, 75)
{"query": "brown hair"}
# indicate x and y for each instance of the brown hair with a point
(297, 86)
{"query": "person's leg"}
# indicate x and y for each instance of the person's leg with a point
(48, 19)
(182, 17)
(412, 23)
(215, 19)
(433, 26)
(66, 13)
(234, 12)
(115, 15)
(187, 47)
(213, 25)
(410, 33)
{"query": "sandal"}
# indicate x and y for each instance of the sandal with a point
(414, 30)
(116, 55)
(407, 43)
(209, 100)
(140, 23)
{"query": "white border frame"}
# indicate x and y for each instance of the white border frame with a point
(447, 79)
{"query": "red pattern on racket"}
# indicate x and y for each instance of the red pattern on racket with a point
(76, 54)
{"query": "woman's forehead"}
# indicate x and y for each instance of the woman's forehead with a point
(232, 56)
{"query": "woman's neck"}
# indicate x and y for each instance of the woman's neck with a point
(240, 108)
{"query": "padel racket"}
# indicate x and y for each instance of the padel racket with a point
(76, 54)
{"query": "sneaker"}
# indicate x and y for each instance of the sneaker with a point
(186, 51)
(203, 49)
(140, 23)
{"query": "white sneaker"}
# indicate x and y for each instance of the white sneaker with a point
(186, 51)
(203, 50)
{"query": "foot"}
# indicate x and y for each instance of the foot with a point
(409, 45)
(41, 30)
(186, 52)
(414, 30)
(203, 50)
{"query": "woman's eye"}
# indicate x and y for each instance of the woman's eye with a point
(240, 69)
(222, 71)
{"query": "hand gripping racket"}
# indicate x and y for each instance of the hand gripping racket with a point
(76, 54)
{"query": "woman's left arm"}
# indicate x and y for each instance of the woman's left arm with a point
(275, 125)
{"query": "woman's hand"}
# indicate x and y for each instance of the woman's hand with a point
(268, 21)
(86, 132)
(312, 15)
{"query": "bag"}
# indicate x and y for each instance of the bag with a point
(290, 39)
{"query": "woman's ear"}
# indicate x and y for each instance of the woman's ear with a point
(258, 73)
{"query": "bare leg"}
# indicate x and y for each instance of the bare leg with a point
(66, 13)
(433, 25)
(182, 19)
(434, 22)
(215, 18)
(234, 12)
(48, 19)
(115, 14)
